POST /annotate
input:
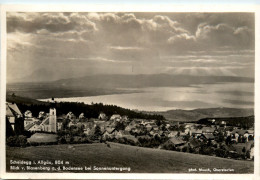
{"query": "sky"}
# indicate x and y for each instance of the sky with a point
(62, 45)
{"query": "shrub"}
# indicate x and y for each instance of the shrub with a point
(184, 149)
(17, 141)
(62, 140)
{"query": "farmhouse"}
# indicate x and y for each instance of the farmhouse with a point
(70, 116)
(196, 132)
(208, 136)
(121, 133)
(28, 114)
(129, 128)
(107, 135)
(28, 121)
(34, 127)
(176, 141)
(82, 116)
(89, 131)
(173, 133)
(208, 130)
(116, 117)
(149, 127)
(15, 120)
(102, 116)
(42, 115)
(125, 118)
(194, 143)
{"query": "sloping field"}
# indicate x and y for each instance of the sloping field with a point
(140, 160)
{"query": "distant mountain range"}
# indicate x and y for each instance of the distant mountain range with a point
(131, 80)
(51, 74)
(144, 80)
(111, 84)
(197, 114)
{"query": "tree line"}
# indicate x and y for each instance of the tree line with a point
(90, 111)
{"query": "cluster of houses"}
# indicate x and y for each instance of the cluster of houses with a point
(131, 129)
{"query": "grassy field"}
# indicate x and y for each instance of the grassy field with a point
(140, 160)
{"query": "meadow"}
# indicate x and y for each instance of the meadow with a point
(139, 159)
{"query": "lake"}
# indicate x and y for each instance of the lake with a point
(236, 95)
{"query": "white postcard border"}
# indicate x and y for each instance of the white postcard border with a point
(129, 8)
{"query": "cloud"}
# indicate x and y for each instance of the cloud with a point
(180, 37)
(196, 43)
(125, 48)
(237, 93)
(53, 22)
(225, 35)
(238, 102)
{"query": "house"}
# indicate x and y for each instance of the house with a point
(195, 132)
(59, 126)
(148, 127)
(208, 130)
(110, 130)
(71, 116)
(14, 120)
(155, 132)
(143, 122)
(165, 132)
(106, 135)
(194, 143)
(236, 133)
(82, 116)
(115, 117)
(28, 114)
(121, 133)
(129, 128)
(188, 125)
(33, 127)
(176, 141)
(208, 136)
(125, 118)
(136, 131)
(155, 127)
(101, 124)
(102, 116)
(187, 130)
(89, 131)
(250, 135)
(28, 127)
(72, 123)
(42, 115)
(173, 133)
(28, 121)
(109, 133)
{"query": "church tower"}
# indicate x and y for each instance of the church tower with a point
(53, 119)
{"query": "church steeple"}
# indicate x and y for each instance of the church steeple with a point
(52, 117)
(52, 102)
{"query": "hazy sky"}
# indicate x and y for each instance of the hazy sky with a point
(77, 44)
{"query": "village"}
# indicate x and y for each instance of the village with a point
(216, 138)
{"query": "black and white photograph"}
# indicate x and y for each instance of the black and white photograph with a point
(130, 92)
